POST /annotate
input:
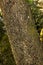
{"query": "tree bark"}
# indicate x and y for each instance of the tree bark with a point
(21, 31)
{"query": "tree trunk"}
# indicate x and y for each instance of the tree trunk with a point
(21, 31)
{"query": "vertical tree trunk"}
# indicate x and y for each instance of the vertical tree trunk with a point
(21, 31)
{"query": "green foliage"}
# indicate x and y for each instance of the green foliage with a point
(38, 17)
(30, 1)
(6, 57)
(2, 31)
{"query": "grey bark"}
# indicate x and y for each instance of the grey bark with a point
(21, 31)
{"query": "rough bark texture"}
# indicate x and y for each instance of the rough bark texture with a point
(21, 32)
